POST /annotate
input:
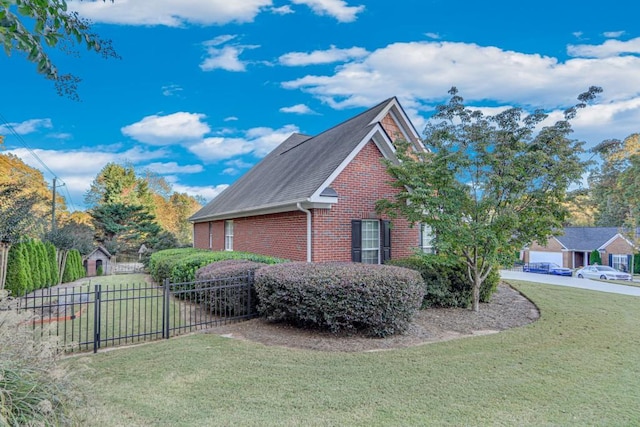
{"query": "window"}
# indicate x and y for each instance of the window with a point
(619, 262)
(228, 235)
(371, 242)
(426, 239)
(210, 235)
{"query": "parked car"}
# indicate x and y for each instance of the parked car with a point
(602, 272)
(547, 268)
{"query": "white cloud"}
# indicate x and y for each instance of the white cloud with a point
(173, 167)
(421, 73)
(257, 141)
(230, 119)
(172, 90)
(337, 9)
(226, 57)
(613, 34)
(434, 36)
(298, 109)
(282, 10)
(170, 13)
(328, 56)
(607, 49)
(26, 127)
(60, 135)
(222, 39)
(207, 193)
(169, 129)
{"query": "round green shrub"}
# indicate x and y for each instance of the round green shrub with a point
(376, 300)
(447, 282)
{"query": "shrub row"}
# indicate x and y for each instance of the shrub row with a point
(31, 265)
(447, 283)
(227, 298)
(377, 300)
(180, 265)
(73, 268)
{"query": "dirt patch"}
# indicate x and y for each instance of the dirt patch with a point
(507, 309)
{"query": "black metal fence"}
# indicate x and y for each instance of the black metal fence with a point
(87, 318)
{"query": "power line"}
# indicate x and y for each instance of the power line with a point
(24, 143)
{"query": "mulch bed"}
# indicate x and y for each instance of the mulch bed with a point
(507, 309)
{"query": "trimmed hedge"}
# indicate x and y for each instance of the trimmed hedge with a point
(447, 283)
(31, 265)
(377, 300)
(228, 298)
(180, 265)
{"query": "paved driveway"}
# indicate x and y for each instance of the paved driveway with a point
(572, 282)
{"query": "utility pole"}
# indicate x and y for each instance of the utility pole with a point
(53, 208)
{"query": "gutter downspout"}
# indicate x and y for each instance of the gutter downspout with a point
(308, 212)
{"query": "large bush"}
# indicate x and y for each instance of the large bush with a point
(30, 267)
(35, 390)
(180, 265)
(377, 300)
(223, 290)
(447, 283)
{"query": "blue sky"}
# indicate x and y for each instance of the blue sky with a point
(206, 88)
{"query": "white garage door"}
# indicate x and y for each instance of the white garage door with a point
(537, 256)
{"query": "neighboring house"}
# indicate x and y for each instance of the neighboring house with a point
(572, 248)
(100, 258)
(313, 198)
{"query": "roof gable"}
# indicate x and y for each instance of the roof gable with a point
(587, 238)
(300, 169)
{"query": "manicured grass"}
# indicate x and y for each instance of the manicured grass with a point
(131, 311)
(579, 364)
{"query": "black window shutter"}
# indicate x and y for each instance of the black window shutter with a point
(386, 241)
(610, 260)
(356, 240)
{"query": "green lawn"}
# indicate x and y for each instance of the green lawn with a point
(579, 364)
(131, 311)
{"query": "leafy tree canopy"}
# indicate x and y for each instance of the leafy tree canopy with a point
(33, 27)
(487, 185)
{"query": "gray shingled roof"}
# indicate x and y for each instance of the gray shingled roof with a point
(586, 238)
(295, 170)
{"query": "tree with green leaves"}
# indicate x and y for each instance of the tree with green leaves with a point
(487, 185)
(123, 228)
(33, 27)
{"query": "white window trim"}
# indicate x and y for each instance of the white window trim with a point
(228, 235)
(371, 249)
(429, 248)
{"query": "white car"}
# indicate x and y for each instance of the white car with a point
(602, 272)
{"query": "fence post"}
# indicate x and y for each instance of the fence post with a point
(96, 317)
(249, 283)
(165, 309)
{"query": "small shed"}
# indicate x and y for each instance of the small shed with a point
(98, 262)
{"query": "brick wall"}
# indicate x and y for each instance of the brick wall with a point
(392, 129)
(618, 247)
(363, 181)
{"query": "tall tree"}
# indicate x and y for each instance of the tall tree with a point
(123, 228)
(487, 185)
(33, 27)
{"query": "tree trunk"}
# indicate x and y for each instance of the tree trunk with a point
(62, 262)
(476, 292)
(4, 262)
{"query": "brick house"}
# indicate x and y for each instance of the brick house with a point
(571, 249)
(313, 198)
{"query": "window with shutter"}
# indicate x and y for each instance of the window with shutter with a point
(370, 241)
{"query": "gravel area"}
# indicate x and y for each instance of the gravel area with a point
(507, 309)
